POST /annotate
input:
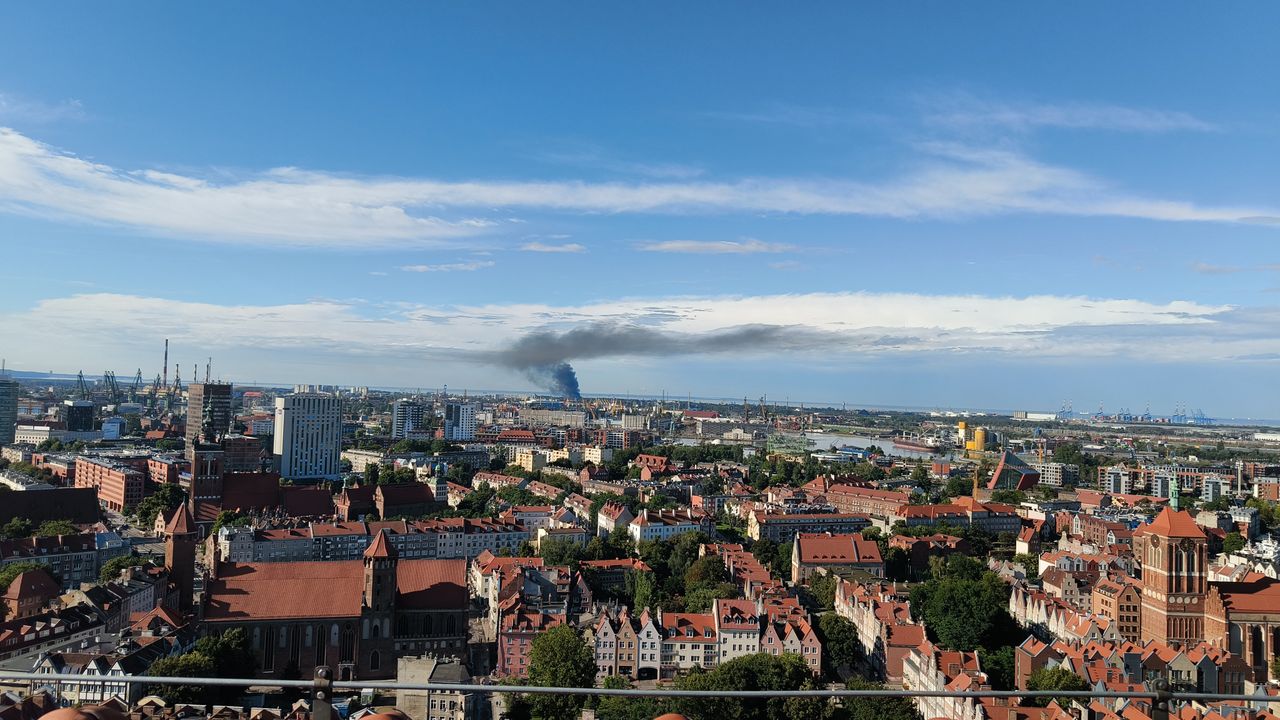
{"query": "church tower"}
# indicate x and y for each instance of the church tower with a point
(377, 608)
(379, 575)
(180, 555)
(1174, 554)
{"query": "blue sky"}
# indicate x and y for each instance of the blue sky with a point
(948, 205)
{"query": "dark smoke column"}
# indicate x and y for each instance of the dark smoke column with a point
(559, 378)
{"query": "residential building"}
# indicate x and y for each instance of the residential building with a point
(459, 422)
(783, 527)
(435, 704)
(118, 484)
(1120, 601)
(308, 436)
(1056, 474)
(922, 547)
(612, 516)
(407, 419)
(73, 558)
(664, 524)
(29, 593)
(8, 410)
(834, 553)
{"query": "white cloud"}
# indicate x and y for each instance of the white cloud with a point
(549, 248)
(292, 207)
(963, 111)
(91, 330)
(449, 267)
(744, 246)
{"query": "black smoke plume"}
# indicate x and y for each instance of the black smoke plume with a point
(559, 378)
(544, 355)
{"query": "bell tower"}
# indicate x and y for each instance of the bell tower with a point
(180, 555)
(1174, 552)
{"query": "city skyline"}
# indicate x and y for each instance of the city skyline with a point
(891, 213)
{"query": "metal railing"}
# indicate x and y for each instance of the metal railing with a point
(323, 686)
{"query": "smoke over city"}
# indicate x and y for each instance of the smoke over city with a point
(559, 378)
(544, 356)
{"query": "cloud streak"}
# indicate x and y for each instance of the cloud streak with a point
(540, 247)
(965, 111)
(297, 208)
(744, 246)
(449, 267)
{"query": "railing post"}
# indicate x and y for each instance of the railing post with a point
(322, 694)
(1160, 706)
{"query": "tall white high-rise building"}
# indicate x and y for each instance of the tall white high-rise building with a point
(8, 410)
(459, 422)
(406, 418)
(308, 436)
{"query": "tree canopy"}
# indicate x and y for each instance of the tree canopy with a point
(964, 606)
(164, 499)
(1056, 678)
(559, 658)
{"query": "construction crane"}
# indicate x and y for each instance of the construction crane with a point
(135, 392)
(113, 390)
(82, 389)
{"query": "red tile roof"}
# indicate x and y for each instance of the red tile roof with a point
(380, 547)
(1173, 523)
(286, 591)
(827, 549)
(181, 523)
(431, 584)
(332, 589)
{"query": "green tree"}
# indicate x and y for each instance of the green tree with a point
(614, 707)
(701, 598)
(1233, 542)
(1029, 563)
(187, 665)
(17, 528)
(823, 589)
(1057, 678)
(560, 552)
(964, 610)
(998, 664)
(897, 564)
(559, 658)
(165, 498)
(753, 672)
(642, 587)
(707, 570)
(840, 645)
(876, 708)
(111, 569)
(229, 518)
(53, 528)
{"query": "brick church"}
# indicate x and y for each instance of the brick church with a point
(1180, 604)
(356, 616)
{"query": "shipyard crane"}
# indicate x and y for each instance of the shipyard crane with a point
(82, 389)
(135, 392)
(113, 390)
